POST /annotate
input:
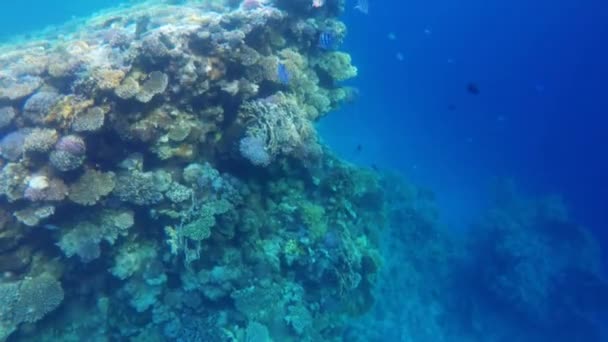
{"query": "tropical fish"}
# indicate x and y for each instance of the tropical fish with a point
(318, 3)
(326, 40)
(283, 74)
(362, 6)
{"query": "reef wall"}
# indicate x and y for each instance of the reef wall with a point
(161, 178)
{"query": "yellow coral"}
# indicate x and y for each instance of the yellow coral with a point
(108, 78)
(65, 109)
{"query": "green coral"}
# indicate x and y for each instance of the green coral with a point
(28, 301)
(313, 216)
(200, 227)
(337, 65)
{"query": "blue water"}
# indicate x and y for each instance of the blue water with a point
(22, 17)
(540, 117)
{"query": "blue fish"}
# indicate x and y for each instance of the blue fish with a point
(283, 74)
(327, 40)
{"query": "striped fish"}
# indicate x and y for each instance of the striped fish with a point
(326, 40)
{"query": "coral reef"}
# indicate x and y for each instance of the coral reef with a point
(156, 150)
(162, 180)
(27, 301)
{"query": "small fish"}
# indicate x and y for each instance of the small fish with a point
(375, 167)
(318, 3)
(326, 40)
(399, 56)
(283, 74)
(362, 6)
(50, 226)
(359, 148)
(391, 36)
(428, 31)
(473, 88)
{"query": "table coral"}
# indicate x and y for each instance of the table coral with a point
(91, 187)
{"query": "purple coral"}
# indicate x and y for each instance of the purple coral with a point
(72, 144)
(69, 153)
(254, 149)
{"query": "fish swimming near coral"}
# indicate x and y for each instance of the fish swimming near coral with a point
(327, 40)
(362, 6)
(283, 74)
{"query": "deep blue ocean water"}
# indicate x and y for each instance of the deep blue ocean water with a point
(540, 117)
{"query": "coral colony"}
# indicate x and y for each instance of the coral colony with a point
(161, 179)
